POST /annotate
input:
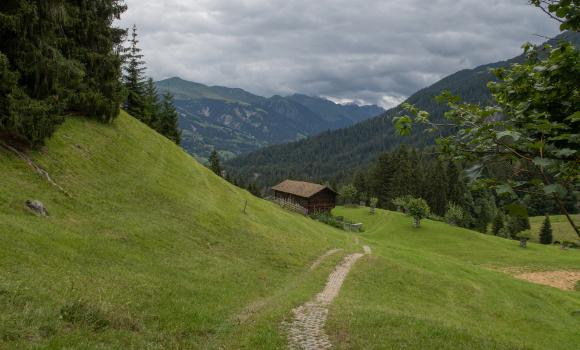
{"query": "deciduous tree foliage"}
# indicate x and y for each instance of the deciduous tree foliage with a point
(533, 124)
(57, 57)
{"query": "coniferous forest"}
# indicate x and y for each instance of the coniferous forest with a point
(63, 58)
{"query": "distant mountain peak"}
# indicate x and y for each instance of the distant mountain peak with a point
(235, 121)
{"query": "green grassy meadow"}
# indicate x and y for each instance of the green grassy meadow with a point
(439, 287)
(152, 251)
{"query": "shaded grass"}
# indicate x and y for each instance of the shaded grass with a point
(432, 288)
(152, 250)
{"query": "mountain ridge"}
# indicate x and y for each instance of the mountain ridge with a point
(333, 155)
(234, 121)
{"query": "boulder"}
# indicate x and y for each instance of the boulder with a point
(37, 207)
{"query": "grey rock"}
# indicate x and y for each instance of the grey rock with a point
(37, 207)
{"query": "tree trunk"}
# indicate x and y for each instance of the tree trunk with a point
(416, 222)
(565, 212)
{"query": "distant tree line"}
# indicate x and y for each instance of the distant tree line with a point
(442, 184)
(143, 100)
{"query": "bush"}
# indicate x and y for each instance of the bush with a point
(454, 215)
(328, 219)
(402, 203)
(504, 232)
(498, 223)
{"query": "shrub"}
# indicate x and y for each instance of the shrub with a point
(504, 232)
(328, 219)
(498, 223)
(402, 203)
(454, 215)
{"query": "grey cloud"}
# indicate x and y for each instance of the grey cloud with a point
(368, 51)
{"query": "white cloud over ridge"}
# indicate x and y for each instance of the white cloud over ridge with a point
(365, 51)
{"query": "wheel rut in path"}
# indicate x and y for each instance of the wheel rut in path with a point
(306, 330)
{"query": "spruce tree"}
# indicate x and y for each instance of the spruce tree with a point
(94, 42)
(57, 57)
(546, 232)
(361, 186)
(168, 119)
(134, 79)
(152, 107)
(498, 223)
(214, 163)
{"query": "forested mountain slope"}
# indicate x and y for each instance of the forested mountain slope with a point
(234, 121)
(334, 154)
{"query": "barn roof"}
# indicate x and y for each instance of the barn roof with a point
(300, 188)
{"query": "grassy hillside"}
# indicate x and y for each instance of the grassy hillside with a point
(561, 229)
(440, 287)
(151, 251)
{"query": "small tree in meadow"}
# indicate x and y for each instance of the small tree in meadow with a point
(402, 203)
(348, 194)
(373, 202)
(546, 232)
(454, 215)
(418, 209)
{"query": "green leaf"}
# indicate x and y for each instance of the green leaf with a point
(555, 189)
(403, 125)
(574, 117)
(542, 162)
(565, 152)
(514, 135)
(504, 189)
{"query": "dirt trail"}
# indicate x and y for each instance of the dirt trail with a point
(306, 331)
(565, 280)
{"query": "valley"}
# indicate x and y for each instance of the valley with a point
(236, 122)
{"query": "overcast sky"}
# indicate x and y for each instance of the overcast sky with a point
(367, 51)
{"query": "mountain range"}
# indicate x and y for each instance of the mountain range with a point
(234, 121)
(334, 155)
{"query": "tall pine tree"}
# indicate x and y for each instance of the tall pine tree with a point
(151, 104)
(546, 232)
(134, 79)
(214, 163)
(167, 124)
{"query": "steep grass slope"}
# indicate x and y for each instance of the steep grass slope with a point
(440, 287)
(152, 251)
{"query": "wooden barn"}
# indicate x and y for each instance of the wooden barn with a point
(313, 198)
